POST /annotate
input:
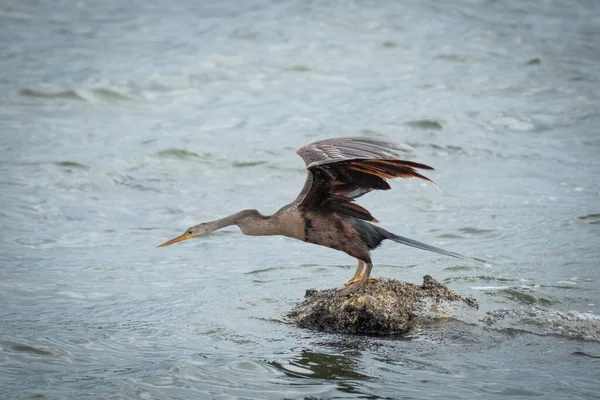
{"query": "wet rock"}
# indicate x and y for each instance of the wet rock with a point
(382, 307)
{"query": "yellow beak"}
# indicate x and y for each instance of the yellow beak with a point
(175, 240)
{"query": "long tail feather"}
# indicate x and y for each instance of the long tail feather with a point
(423, 246)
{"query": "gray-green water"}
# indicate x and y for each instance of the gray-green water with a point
(122, 123)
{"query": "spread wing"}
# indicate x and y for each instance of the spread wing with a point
(343, 169)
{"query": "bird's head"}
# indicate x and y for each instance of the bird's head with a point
(241, 219)
(191, 232)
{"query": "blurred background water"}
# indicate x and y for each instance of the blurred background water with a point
(123, 123)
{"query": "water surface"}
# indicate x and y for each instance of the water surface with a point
(123, 123)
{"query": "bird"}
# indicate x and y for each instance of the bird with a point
(325, 213)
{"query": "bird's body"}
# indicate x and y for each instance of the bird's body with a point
(324, 213)
(336, 232)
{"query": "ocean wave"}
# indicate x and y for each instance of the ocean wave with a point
(181, 154)
(94, 95)
(571, 324)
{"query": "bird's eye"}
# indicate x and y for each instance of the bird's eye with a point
(189, 232)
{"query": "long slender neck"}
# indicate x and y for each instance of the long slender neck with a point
(250, 222)
(224, 222)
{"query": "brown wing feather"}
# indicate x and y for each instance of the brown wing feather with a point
(343, 169)
(347, 207)
(388, 169)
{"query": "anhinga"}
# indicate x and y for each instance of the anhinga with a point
(324, 213)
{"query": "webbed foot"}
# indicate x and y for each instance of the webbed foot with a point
(356, 279)
(360, 279)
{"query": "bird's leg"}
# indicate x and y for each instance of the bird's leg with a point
(359, 280)
(367, 272)
(358, 274)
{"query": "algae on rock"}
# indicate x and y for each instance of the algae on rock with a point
(383, 307)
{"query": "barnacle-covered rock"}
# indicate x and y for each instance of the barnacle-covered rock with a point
(382, 307)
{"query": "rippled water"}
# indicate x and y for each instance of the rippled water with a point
(122, 123)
